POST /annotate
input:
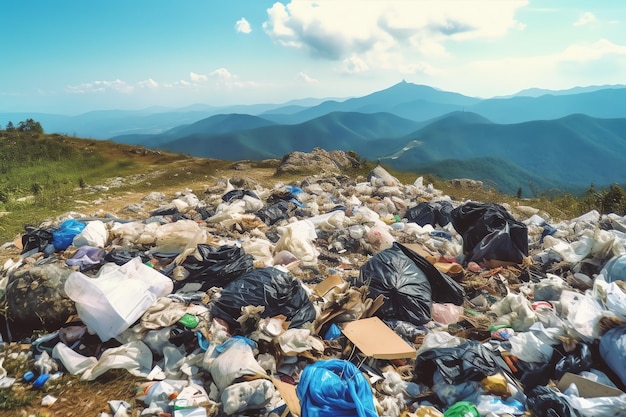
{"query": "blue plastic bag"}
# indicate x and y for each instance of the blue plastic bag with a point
(63, 237)
(335, 388)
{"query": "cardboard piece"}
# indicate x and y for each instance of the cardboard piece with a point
(375, 339)
(328, 284)
(586, 387)
(288, 393)
(421, 251)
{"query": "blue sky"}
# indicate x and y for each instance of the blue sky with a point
(72, 56)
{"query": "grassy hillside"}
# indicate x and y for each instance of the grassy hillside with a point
(42, 175)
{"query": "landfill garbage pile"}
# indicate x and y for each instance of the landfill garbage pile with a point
(327, 296)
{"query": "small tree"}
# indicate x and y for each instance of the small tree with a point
(614, 200)
(519, 193)
(10, 126)
(30, 125)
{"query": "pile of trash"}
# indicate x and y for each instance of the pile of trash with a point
(327, 296)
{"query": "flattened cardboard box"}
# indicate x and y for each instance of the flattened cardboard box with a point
(375, 339)
(288, 393)
(586, 387)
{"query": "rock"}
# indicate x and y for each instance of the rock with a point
(319, 161)
(466, 183)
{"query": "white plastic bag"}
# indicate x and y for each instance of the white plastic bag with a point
(298, 238)
(231, 360)
(94, 234)
(117, 297)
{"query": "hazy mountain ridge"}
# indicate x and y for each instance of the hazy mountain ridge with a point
(571, 137)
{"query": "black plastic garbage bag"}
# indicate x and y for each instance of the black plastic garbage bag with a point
(444, 289)
(437, 213)
(275, 212)
(218, 266)
(490, 232)
(575, 362)
(120, 256)
(409, 284)
(548, 403)
(277, 291)
(36, 238)
(469, 361)
(237, 195)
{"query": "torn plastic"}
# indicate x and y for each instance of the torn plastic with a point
(242, 396)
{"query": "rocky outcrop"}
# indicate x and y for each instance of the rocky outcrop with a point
(317, 161)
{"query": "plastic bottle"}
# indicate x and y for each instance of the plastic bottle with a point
(41, 381)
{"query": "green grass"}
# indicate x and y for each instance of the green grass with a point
(41, 175)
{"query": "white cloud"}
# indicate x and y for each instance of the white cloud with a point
(307, 79)
(243, 26)
(101, 86)
(197, 77)
(353, 65)
(149, 83)
(339, 29)
(585, 19)
(222, 74)
(228, 80)
(591, 51)
(575, 65)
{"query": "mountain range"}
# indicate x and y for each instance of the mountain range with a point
(536, 140)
